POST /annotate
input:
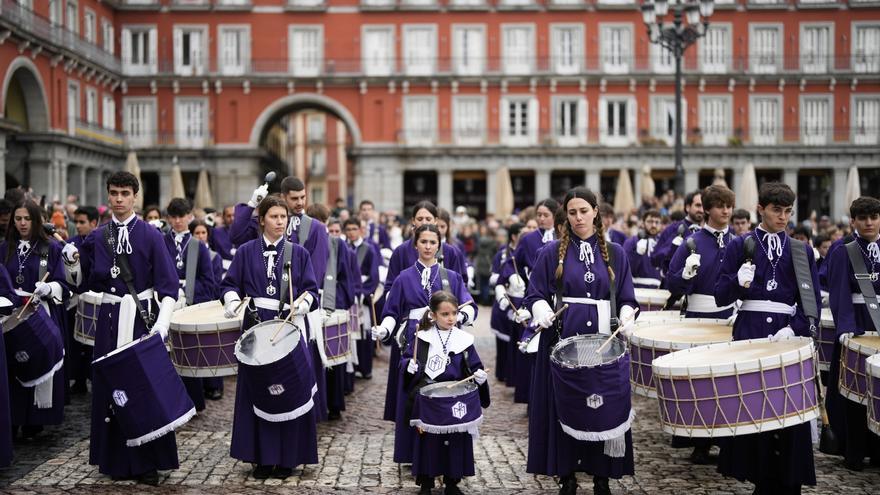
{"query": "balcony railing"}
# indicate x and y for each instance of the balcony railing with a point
(168, 140)
(96, 132)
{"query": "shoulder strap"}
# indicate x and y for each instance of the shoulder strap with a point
(127, 277)
(866, 287)
(362, 253)
(44, 260)
(329, 300)
(192, 264)
(803, 276)
(286, 273)
(305, 226)
(444, 278)
(613, 292)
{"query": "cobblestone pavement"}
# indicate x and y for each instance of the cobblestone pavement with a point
(355, 454)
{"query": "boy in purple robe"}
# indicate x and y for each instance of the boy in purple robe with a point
(675, 233)
(584, 264)
(779, 461)
(852, 316)
(508, 286)
(220, 240)
(606, 211)
(85, 219)
(337, 296)
(154, 278)
(639, 249)
(376, 232)
(7, 296)
(442, 353)
(197, 284)
(259, 271)
(367, 263)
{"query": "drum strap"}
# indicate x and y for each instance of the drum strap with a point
(285, 263)
(328, 301)
(305, 226)
(44, 260)
(127, 277)
(444, 278)
(804, 277)
(866, 287)
(192, 264)
(362, 253)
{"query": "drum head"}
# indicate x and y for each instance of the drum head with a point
(267, 342)
(12, 321)
(204, 317)
(443, 389)
(652, 297)
(681, 333)
(580, 351)
(867, 344)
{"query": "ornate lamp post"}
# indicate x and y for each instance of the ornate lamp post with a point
(690, 21)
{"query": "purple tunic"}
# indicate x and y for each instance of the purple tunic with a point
(220, 242)
(7, 292)
(406, 255)
(378, 234)
(641, 264)
(369, 268)
(665, 248)
(782, 456)
(616, 236)
(551, 451)
(711, 257)
(288, 443)
(526, 254)
(499, 322)
(152, 268)
(347, 280)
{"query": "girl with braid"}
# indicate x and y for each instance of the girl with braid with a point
(584, 265)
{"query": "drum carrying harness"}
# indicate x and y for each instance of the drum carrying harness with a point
(192, 264)
(804, 277)
(328, 301)
(863, 278)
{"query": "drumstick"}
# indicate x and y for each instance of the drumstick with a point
(289, 316)
(510, 302)
(60, 239)
(242, 303)
(460, 306)
(31, 298)
(373, 310)
(608, 340)
(453, 384)
(540, 329)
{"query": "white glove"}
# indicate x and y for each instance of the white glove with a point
(303, 306)
(522, 315)
(746, 274)
(500, 292)
(472, 279)
(42, 289)
(229, 309)
(642, 247)
(783, 333)
(480, 376)
(462, 319)
(546, 320)
(516, 286)
(691, 265)
(627, 315)
(412, 367)
(258, 195)
(678, 240)
(844, 336)
(379, 332)
(156, 223)
(70, 254)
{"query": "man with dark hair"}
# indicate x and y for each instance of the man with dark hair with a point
(803, 234)
(608, 219)
(376, 232)
(675, 234)
(741, 221)
(367, 262)
(85, 219)
(853, 283)
(639, 248)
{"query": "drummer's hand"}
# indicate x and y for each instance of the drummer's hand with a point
(70, 254)
(783, 333)
(412, 367)
(516, 285)
(42, 289)
(844, 336)
(462, 319)
(522, 315)
(677, 241)
(546, 321)
(691, 265)
(161, 329)
(746, 274)
(302, 307)
(380, 333)
(229, 309)
(642, 247)
(258, 195)
(480, 376)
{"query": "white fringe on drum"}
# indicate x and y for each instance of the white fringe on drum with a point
(289, 415)
(615, 444)
(472, 427)
(45, 377)
(500, 335)
(153, 435)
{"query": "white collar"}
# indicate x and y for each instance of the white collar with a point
(126, 222)
(270, 243)
(358, 242)
(419, 262)
(712, 231)
(458, 341)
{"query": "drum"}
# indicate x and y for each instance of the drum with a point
(148, 397)
(448, 407)
(654, 338)
(591, 390)
(335, 339)
(274, 364)
(826, 336)
(34, 347)
(872, 371)
(737, 388)
(853, 353)
(651, 299)
(86, 323)
(662, 315)
(202, 340)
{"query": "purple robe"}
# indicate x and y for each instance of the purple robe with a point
(711, 257)
(551, 451)
(152, 268)
(665, 248)
(782, 456)
(288, 443)
(616, 236)
(369, 268)
(378, 235)
(526, 253)
(406, 255)
(406, 295)
(641, 264)
(220, 242)
(347, 280)
(7, 300)
(499, 322)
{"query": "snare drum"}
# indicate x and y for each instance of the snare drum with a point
(591, 390)
(872, 371)
(202, 340)
(651, 299)
(335, 339)
(737, 388)
(448, 407)
(274, 363)
(655, 338)
(853, 353)
(34, 348)
(148, 397)
(826, 336)
(86, 324)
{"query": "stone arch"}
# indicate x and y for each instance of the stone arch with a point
(303, 101)
(27, 74)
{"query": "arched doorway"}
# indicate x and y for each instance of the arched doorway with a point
(25, 110)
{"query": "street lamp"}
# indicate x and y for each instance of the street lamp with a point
(690, 21)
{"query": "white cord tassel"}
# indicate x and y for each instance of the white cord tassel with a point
(874, 252)
(616, 447)
(586, 253)
(774, 246)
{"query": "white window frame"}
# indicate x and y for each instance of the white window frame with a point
(108, 111)
(414, 62)
(148, 128)
(315, 64)
(560, 66)
(56, 12)
(146, 67)
(471, 64)
(90, 26)
(74, 108)
(757, 59)
(244, 48)
(467, 133)
(181, 128)
(810, 64)
(714, 139)
(811, 134)
(513, 64)
(662, 60)
(864, 63)
(631, 121)
(530, 135)
(716, 68)
(417, 136)
(872, 135)
(91, 106)
(660, 105)
(561, 136)
(72, 8)
(755, 124)
(108, 36)
(378, 66)
(198, 55)
(610, 64)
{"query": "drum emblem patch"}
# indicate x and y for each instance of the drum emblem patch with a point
(22, 356)
(120, 398)
(459, 410)
(595, 401)
(276, 389)
(435, 363)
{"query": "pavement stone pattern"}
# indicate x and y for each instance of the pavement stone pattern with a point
(355, 454)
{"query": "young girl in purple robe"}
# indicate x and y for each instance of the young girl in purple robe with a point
(442, 352)
(407, 302)
(258, 270)
(585, 266)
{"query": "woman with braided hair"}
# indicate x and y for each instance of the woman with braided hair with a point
(584, 264)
